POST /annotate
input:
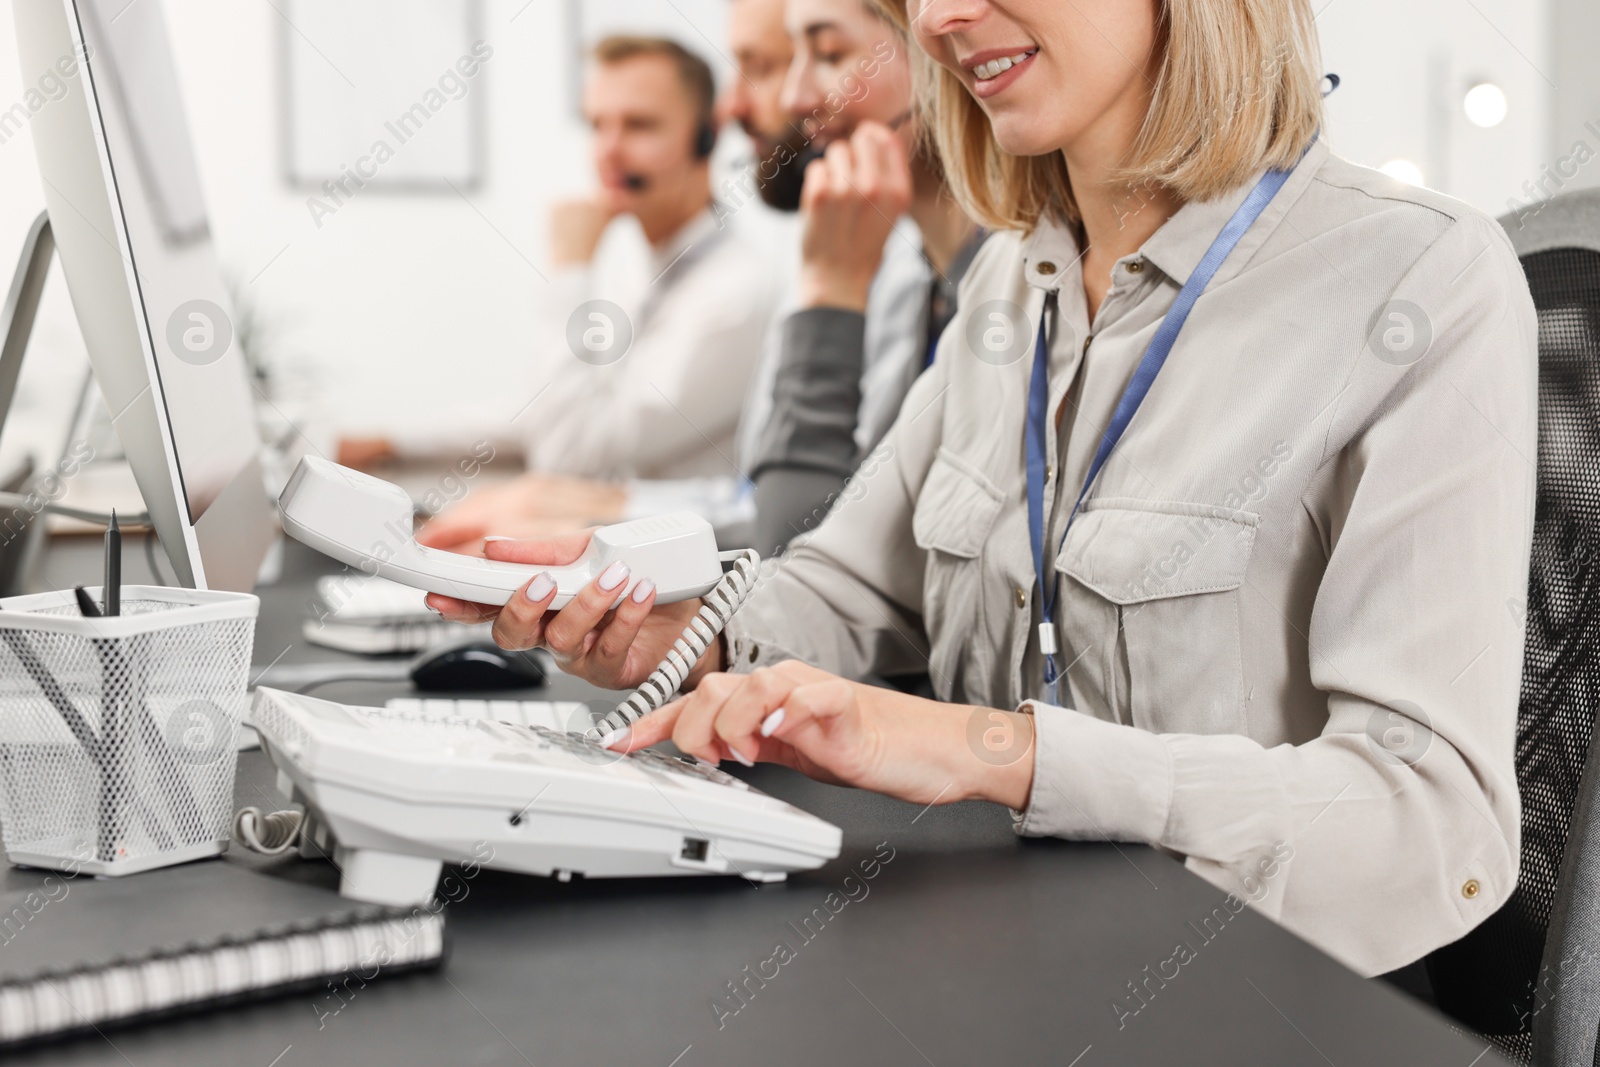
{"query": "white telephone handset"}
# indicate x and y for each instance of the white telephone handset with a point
(366, 522)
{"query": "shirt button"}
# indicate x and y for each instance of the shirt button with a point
(1470, 890)
(1136, 266)
(1022, 597)
(1047, 267)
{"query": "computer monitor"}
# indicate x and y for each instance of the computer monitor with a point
(125, 205)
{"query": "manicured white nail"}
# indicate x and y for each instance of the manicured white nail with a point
(541, 586)
(771, 723)
(741, 757)
(706, 763)
(642, 591)
(498, 537)
(613, 576)
(613, 738)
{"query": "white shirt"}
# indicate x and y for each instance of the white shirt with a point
(666, 403)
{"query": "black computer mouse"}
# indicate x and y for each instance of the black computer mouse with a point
(476, 666)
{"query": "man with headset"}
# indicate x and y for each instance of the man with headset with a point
(830, 381)
(650, 382)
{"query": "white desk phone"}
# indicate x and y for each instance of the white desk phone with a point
(395, 794)
(366, 522)
(402, 793)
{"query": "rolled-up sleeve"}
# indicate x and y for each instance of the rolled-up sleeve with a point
(1396, 828)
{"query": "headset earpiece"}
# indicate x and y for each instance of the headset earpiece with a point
(705, 140)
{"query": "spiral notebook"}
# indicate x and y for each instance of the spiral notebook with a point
(78, 954)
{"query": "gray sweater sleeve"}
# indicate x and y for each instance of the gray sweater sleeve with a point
(808, 447)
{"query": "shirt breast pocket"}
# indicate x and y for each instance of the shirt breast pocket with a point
(954, 514)
(1155, 587)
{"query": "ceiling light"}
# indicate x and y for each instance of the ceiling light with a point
(1485, 105)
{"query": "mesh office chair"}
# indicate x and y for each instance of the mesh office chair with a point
(1529, 977)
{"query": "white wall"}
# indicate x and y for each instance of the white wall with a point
(1575, 32)
(400, 306)
(406, 309)
(403, 308)
(1406, 67)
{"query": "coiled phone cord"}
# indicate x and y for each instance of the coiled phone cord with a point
(270, 835)
(720, 604)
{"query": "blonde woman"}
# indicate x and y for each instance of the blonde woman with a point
(1230, 560)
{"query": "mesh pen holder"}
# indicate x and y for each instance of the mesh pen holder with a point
(117, 735)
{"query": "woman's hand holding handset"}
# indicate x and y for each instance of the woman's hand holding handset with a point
(612, 649)
(835, 730)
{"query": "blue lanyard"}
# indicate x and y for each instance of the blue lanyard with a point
(1143, 377)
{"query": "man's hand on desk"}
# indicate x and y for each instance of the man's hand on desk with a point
(531, 505)
(364, 453)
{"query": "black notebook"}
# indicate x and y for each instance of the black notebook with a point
(77, 953)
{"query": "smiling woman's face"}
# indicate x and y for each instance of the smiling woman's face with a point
(1050, 75)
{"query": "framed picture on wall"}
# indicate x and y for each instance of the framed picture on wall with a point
(382, 93)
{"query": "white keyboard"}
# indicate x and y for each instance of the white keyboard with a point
(567, 716)
(424, 782)
(362, 599)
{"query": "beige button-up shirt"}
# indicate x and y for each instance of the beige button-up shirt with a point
(1291, 611)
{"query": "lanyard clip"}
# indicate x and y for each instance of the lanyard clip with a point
(1047, 639)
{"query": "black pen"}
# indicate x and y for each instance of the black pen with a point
(86, 603)
(113, 584)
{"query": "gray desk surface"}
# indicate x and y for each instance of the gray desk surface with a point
(969, 946)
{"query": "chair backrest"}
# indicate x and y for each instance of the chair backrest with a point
(1519, 977)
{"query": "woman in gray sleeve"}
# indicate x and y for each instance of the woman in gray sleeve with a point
(883, 248)
(1210, 520)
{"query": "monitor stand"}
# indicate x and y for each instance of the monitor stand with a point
(22, 531)
(22, 306)
(245, 522)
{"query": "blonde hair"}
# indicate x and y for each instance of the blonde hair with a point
(1239, 91)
